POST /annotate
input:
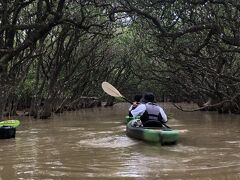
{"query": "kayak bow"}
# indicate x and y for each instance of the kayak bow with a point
(12, 123)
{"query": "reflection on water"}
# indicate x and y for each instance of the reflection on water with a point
(91, 144)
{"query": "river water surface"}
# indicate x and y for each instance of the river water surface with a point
(91, 144)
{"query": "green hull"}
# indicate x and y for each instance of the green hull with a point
(128, 119)
(8, 128)
(162, 135)
(12, 123)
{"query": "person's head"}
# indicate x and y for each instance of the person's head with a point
(148, 97)
(137, 98)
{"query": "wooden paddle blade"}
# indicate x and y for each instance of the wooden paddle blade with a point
(110, 90)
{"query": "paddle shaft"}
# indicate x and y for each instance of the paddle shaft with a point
(127, 100)
(165, 125)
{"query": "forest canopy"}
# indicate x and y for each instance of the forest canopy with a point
(55, 54)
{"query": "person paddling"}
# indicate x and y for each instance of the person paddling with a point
(136, 102)
(152, 115)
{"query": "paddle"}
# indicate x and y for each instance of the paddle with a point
(112, 91)
(12, 123)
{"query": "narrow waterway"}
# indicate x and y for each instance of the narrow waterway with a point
(91, 144)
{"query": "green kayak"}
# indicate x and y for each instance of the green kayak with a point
(12, 123)
(8, 128)
(161, 135)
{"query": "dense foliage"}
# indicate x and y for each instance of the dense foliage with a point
(54, 54)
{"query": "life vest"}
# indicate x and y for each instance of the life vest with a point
(152, 113)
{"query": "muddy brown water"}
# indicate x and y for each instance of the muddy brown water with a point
(91, 144)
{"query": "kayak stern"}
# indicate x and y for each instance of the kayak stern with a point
(162, 135)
